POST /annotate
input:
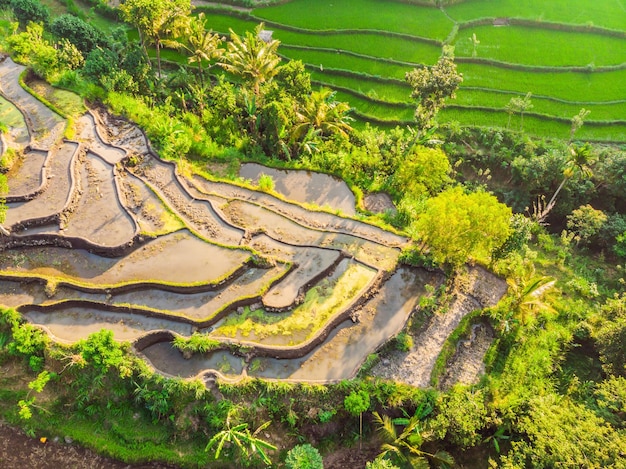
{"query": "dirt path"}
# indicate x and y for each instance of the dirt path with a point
(483, 289)
(468, 364)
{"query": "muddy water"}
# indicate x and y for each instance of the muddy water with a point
(178, 258)
(99, 216)
(17, 136)
(348, 346)
(73, 324)
(46, 127)
(87, 135)
(317, 220)
(305, 186)
(309, 263)
(26, 176)
(57, 193)
(170, 360)
(342, 352)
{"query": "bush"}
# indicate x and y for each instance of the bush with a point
(404, 342)
(30, 10)
(266, 183)
(84, 36)
(304, 457)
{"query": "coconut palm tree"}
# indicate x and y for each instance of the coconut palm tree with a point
(251, 58)
(580, 160)
(529, 296)
(200, 44)
(404, 447)
(156, 20)
(322, 115)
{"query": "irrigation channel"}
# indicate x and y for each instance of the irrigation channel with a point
(102, 233)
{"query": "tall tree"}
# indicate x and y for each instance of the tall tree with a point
(252, 58)
(581, 157)
(200, 44)
(432, 85)
(356, 403)
(156, 20)
(456, 225)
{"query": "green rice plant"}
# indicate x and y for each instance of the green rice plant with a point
(360, 14)
(375, 45)
(390, 91)
(10, 116)
(221, 22)
(329, 59)
(603, 13)
(544, 47)
(542, 104)
(196, 343)
(266, 183)
(588, 87)
(321, 303)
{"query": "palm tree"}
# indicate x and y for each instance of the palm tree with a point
(200, 44)
(579, 161)
(251, 58)
(322, 115)
(529, 295)
(155, 20)
(405, 447)
(247, 444)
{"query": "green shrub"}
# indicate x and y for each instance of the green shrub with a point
(404, 342)
(266, 183)
(30, 11)
(304, 457)
(83, 35)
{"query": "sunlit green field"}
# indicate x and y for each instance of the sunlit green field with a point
(569, 55)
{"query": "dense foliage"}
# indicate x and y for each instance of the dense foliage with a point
(538, 405)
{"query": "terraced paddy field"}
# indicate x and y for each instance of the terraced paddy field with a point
(569, 55)
(274, 285)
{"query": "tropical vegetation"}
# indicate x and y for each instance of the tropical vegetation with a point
(505, 178)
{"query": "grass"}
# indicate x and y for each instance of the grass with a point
(544, 47)
(542, 105)
(607, 14)
(321, 303)
(71, 103)
(417, 20)
(10, 115)
(329, 58)
(88, 13)
(364, 63)
(581, 87)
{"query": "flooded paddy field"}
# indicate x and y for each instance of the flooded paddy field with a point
(293, 287)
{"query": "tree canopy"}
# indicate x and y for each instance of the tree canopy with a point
(457, 225)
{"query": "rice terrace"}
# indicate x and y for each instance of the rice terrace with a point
(312, 233)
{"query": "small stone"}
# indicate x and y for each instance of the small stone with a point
(68, 440)
(240, 310)
(386, 362)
